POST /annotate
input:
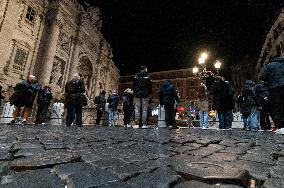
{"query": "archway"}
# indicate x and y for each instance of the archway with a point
(85, 69)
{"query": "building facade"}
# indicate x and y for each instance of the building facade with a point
(54, 39)
(182, 79)
(273, 45)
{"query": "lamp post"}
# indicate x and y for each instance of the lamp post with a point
(202, 62)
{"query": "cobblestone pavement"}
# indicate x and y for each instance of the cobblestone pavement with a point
(57, 156)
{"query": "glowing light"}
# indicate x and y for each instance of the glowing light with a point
(194, 70)
(218, 64)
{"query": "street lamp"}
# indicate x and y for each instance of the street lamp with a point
(217, 65)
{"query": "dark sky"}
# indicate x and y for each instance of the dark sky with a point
(170, 34)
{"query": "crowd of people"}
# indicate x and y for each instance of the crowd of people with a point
(257, 101)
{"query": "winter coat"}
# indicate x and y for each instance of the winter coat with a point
(74, 93)
(273, 73)
(262, 94)
(100, 102)
(127, 98)
(168, 94)
(24, 94)
(223, 93)
(44, 97)
(142, 85)
(113, 102)
(248, 94)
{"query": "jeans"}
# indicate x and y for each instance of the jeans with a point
(203, 119)
(112, 116)
(72, 112)
(245, 120)
(225, 119)
(99, 116)
(253, 118)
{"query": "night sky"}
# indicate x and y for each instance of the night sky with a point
(170, 34)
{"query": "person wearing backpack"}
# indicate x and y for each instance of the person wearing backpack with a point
(128, 106)
(43, 101)
(100, 102)
(250, 102)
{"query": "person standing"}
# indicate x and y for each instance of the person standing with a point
(142, 88)
(262, 96)
(127, 98)
(24, 96)
(100, 102)
(112, 108)
(167, 97)
(223, 101)
(250, 102)
(43, 101)
(75, 99)
(202, 105)
(273, 75)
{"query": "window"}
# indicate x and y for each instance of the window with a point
(31, 14)
(20, 59)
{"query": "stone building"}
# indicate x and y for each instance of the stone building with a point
(182, 79)
(273, 45)
(53, 39)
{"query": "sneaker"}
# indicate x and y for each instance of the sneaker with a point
(128, 125)
(144, 127)
(24, 121)
(12, 122)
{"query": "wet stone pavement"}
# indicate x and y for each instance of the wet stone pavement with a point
(56, 156)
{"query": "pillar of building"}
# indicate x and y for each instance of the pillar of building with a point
(74, 59)
(47, 51)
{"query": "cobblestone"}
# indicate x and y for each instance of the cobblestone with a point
(58, 156)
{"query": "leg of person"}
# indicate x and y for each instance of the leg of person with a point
(110, 117)
(221, 120)
(228, 119)
(254, 119)
(167, 115)
(38, 114)
(99, 116)
(144, 110)
(201, 118)
(173, 117)
(44, 113)
(78, 113)
(205, 116)
(26, 114)
(16, 114)
(70, 116)
(137, 110)
(79, 116)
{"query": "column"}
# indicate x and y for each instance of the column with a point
(73, 63)
(47, 51)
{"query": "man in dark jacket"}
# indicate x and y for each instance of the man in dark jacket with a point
(142, 88)
(75, 99)
(273, 75)
(43, 101)
(100, 102)
(168, 96)
(23, 96)
(112, 108)
(223, 101)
